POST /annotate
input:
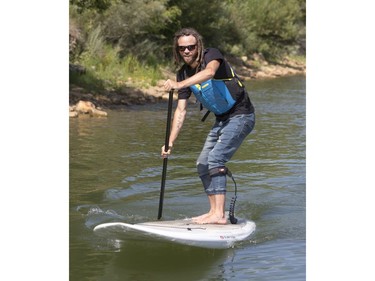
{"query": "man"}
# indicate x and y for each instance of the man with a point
(230, 127)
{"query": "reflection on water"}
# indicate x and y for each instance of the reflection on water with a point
(115, 173)
(157, 261)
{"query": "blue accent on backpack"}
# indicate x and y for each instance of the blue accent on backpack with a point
(214, 95)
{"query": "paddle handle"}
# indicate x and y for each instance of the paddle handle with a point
(166, 148)
(169, 118)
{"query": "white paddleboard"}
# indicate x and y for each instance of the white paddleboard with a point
(184, 231)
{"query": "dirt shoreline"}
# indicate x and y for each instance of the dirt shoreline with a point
(83, 102)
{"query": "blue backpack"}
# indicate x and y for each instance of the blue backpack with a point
(214, 95)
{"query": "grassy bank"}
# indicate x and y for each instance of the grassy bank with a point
(100, 74)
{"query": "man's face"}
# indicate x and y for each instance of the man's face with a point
(188, 49)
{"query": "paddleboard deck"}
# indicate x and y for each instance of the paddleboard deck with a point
(184, 231)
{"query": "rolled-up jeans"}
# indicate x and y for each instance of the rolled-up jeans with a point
(222, 142)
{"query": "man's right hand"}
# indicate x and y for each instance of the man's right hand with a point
(164, 153)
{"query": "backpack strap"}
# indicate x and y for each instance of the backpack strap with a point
(202, 66)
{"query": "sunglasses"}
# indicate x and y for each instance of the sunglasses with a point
(190, 48)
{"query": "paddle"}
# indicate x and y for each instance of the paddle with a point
(166, 147)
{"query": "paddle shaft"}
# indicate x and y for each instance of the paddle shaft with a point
(166, 148)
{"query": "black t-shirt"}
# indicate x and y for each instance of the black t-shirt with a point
(243, 104)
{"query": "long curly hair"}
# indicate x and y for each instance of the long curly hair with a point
(186, 32)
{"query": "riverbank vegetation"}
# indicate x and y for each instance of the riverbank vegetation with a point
(117, 43)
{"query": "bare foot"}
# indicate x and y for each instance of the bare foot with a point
(198, 218)
(212, 219)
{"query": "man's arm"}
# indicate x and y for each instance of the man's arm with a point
(178, 121)
(201, 76)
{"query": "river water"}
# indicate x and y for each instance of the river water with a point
(115, 175)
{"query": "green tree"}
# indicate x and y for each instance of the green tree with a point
(99, 5)
(138, 27)
(209, 18)
(272, 27)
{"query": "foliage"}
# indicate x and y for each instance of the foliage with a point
(118, 39)
(137, 27)
(98, 5)
(211, 19)
(105, 70)
(269, 27)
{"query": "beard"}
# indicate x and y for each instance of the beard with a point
(190, 59)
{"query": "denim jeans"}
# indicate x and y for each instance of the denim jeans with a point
(222, 142)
